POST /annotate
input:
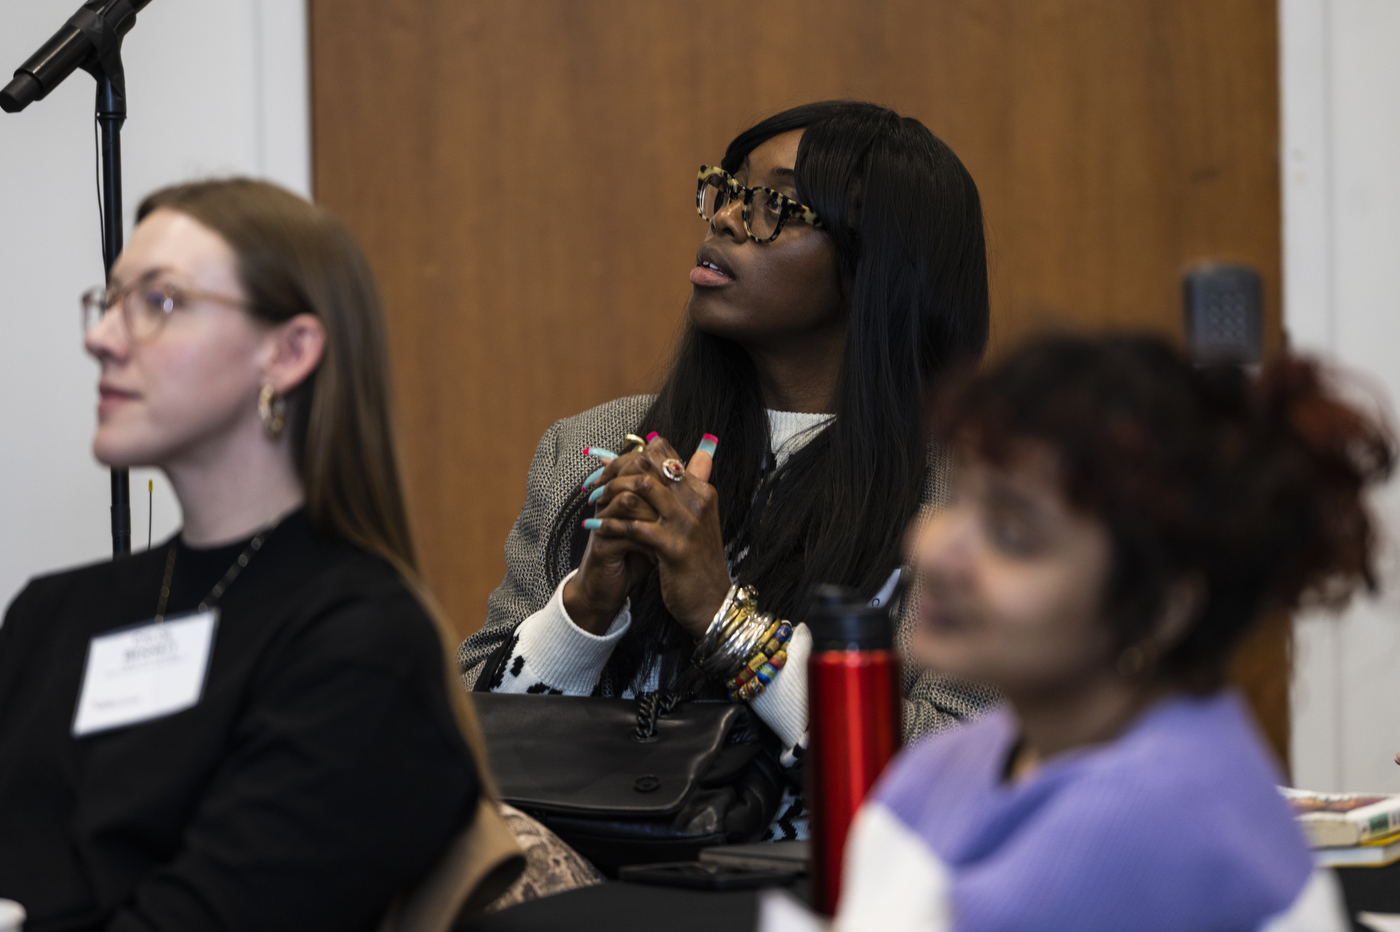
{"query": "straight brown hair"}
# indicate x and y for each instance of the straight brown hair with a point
(297, 258)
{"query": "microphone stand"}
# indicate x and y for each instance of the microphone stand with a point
(111, 114)
(92, 40)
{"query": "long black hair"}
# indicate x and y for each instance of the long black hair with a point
(906, 222)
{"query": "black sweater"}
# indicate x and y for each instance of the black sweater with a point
(321, 772)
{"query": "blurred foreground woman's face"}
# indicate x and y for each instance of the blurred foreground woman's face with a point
(193, 382)
(1011, 581)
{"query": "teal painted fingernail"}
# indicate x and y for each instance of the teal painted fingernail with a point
(593, 477)
(606, 456)
(708, 444)
(597, 494)
(652, 436)
(592, 524)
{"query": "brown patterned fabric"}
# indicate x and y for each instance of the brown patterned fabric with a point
(550, 865)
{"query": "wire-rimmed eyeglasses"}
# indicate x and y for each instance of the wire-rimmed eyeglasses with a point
(146, 304)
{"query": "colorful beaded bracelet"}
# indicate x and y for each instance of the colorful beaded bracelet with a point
(762, 678)
(764, 665)
(757, 661)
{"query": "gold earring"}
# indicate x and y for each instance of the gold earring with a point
(272, 408)
(1131, 662)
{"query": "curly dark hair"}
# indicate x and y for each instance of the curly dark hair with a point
(1252, 484)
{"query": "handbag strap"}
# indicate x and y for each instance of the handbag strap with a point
(650, 707)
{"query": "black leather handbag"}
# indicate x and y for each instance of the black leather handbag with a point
(633, 781)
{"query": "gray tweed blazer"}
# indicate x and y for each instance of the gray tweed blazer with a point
(931, 702)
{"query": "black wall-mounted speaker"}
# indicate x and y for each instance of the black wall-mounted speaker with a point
(1224, 313)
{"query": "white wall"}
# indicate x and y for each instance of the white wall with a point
(214, 87)
(1341, 198)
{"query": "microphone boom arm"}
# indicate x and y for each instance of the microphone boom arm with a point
(91, 40)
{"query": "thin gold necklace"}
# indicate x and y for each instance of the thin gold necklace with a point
(222, 585)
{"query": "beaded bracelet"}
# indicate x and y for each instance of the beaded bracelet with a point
(743, 647)
(781, 633)
(762, 678)
(764, 665)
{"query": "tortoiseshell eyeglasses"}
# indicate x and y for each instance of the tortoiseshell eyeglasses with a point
(764, 210)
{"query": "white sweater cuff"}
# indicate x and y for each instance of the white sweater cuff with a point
(552, 654)
(783, 705)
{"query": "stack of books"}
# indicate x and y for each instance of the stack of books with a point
(1349, 829)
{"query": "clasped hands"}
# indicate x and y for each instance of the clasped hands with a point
(645, 519)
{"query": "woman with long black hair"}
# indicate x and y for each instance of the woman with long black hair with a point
(843, 272)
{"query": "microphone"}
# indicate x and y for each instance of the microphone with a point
(91, 39)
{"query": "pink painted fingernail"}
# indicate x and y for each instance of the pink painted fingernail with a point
(652, 436)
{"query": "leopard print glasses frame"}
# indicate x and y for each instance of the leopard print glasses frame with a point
(716, 188)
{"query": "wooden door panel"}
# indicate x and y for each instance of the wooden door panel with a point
(521, 176)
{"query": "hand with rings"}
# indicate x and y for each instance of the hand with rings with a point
(653, 510)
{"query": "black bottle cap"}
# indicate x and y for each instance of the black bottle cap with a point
(841, 620)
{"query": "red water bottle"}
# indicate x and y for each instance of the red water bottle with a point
(854, 724)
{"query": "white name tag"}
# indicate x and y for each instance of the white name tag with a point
(145, 672)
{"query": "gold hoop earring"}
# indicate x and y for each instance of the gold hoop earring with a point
(272, 408)
(1131, 662)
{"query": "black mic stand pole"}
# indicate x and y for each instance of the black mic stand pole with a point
(111, 114)
(92, 40)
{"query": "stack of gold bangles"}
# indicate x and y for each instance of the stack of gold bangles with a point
(743, 646)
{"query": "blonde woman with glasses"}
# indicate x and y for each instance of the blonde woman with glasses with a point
(252, 725)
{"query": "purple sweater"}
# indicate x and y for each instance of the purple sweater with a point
(1174, 826)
